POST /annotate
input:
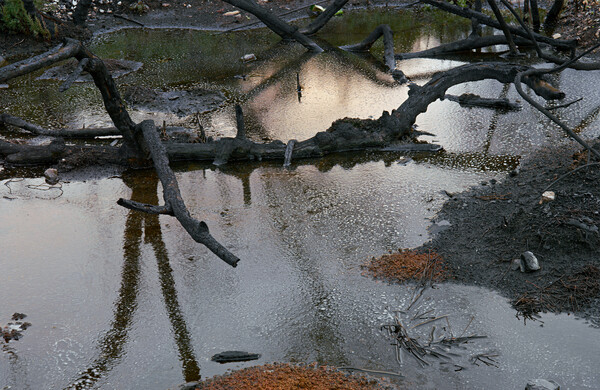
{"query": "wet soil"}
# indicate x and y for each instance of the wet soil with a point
(495, 223)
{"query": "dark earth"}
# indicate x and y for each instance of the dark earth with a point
(490, 225)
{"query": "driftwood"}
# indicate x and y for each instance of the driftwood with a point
(388, 44)
(141, 141)
(11, 120)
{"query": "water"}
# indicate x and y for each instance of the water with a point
(119, 299)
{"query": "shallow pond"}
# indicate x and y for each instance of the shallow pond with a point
(118, 299)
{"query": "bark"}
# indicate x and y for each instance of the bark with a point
(274, 23)
(81, 12)
(467, 13)
(553, 14)
(419, 98)
(65, 50)
(85, 132)
(324, 17)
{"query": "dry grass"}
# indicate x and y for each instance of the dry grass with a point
(408, 265)
(283, 376)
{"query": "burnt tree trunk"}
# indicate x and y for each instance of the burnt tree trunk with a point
(81, 12)
(535, 15)
(504, 27)
(553, 14)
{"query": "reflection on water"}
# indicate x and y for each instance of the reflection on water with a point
(297, 295)
(114, 341)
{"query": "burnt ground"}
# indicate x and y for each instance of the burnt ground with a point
(493, 224)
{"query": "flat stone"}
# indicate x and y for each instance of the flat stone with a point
(234, 356)
(542, 384)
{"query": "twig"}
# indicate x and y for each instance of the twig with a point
(128, 19)
(467, 327)
(430, 320)
(569, 173)
(565, 104)
(371, 371)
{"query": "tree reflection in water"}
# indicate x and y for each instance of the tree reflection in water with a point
(112, 344)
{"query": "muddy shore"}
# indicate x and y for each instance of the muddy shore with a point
(494, 223)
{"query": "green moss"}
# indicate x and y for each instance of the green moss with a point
(15, 20)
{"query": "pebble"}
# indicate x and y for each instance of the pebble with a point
(51, 176)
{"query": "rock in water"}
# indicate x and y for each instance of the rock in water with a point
(234, 356)
(529, 262)
(542, 384)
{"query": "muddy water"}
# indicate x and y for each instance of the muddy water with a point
(123, 300)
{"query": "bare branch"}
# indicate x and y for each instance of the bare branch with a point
(74, 75)
(274, 23)
(198, 230)
(144, 207)
(482, 18)
(321, 20)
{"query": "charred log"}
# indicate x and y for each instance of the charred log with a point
(472, 100)
(484, 19)
(274, 23)
(324, 17)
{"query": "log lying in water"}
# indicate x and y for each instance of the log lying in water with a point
(472, 100)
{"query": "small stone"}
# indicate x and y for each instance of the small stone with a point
(51, 176)
(542, 384)
(515, 264)
(547, 196)
(556, 36)
(248, 58)
(529, 263)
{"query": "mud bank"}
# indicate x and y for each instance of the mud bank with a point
(494, 223)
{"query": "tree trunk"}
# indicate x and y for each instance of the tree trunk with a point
(81, 12)
(504, 27)
(553, 14)
(535, 15)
